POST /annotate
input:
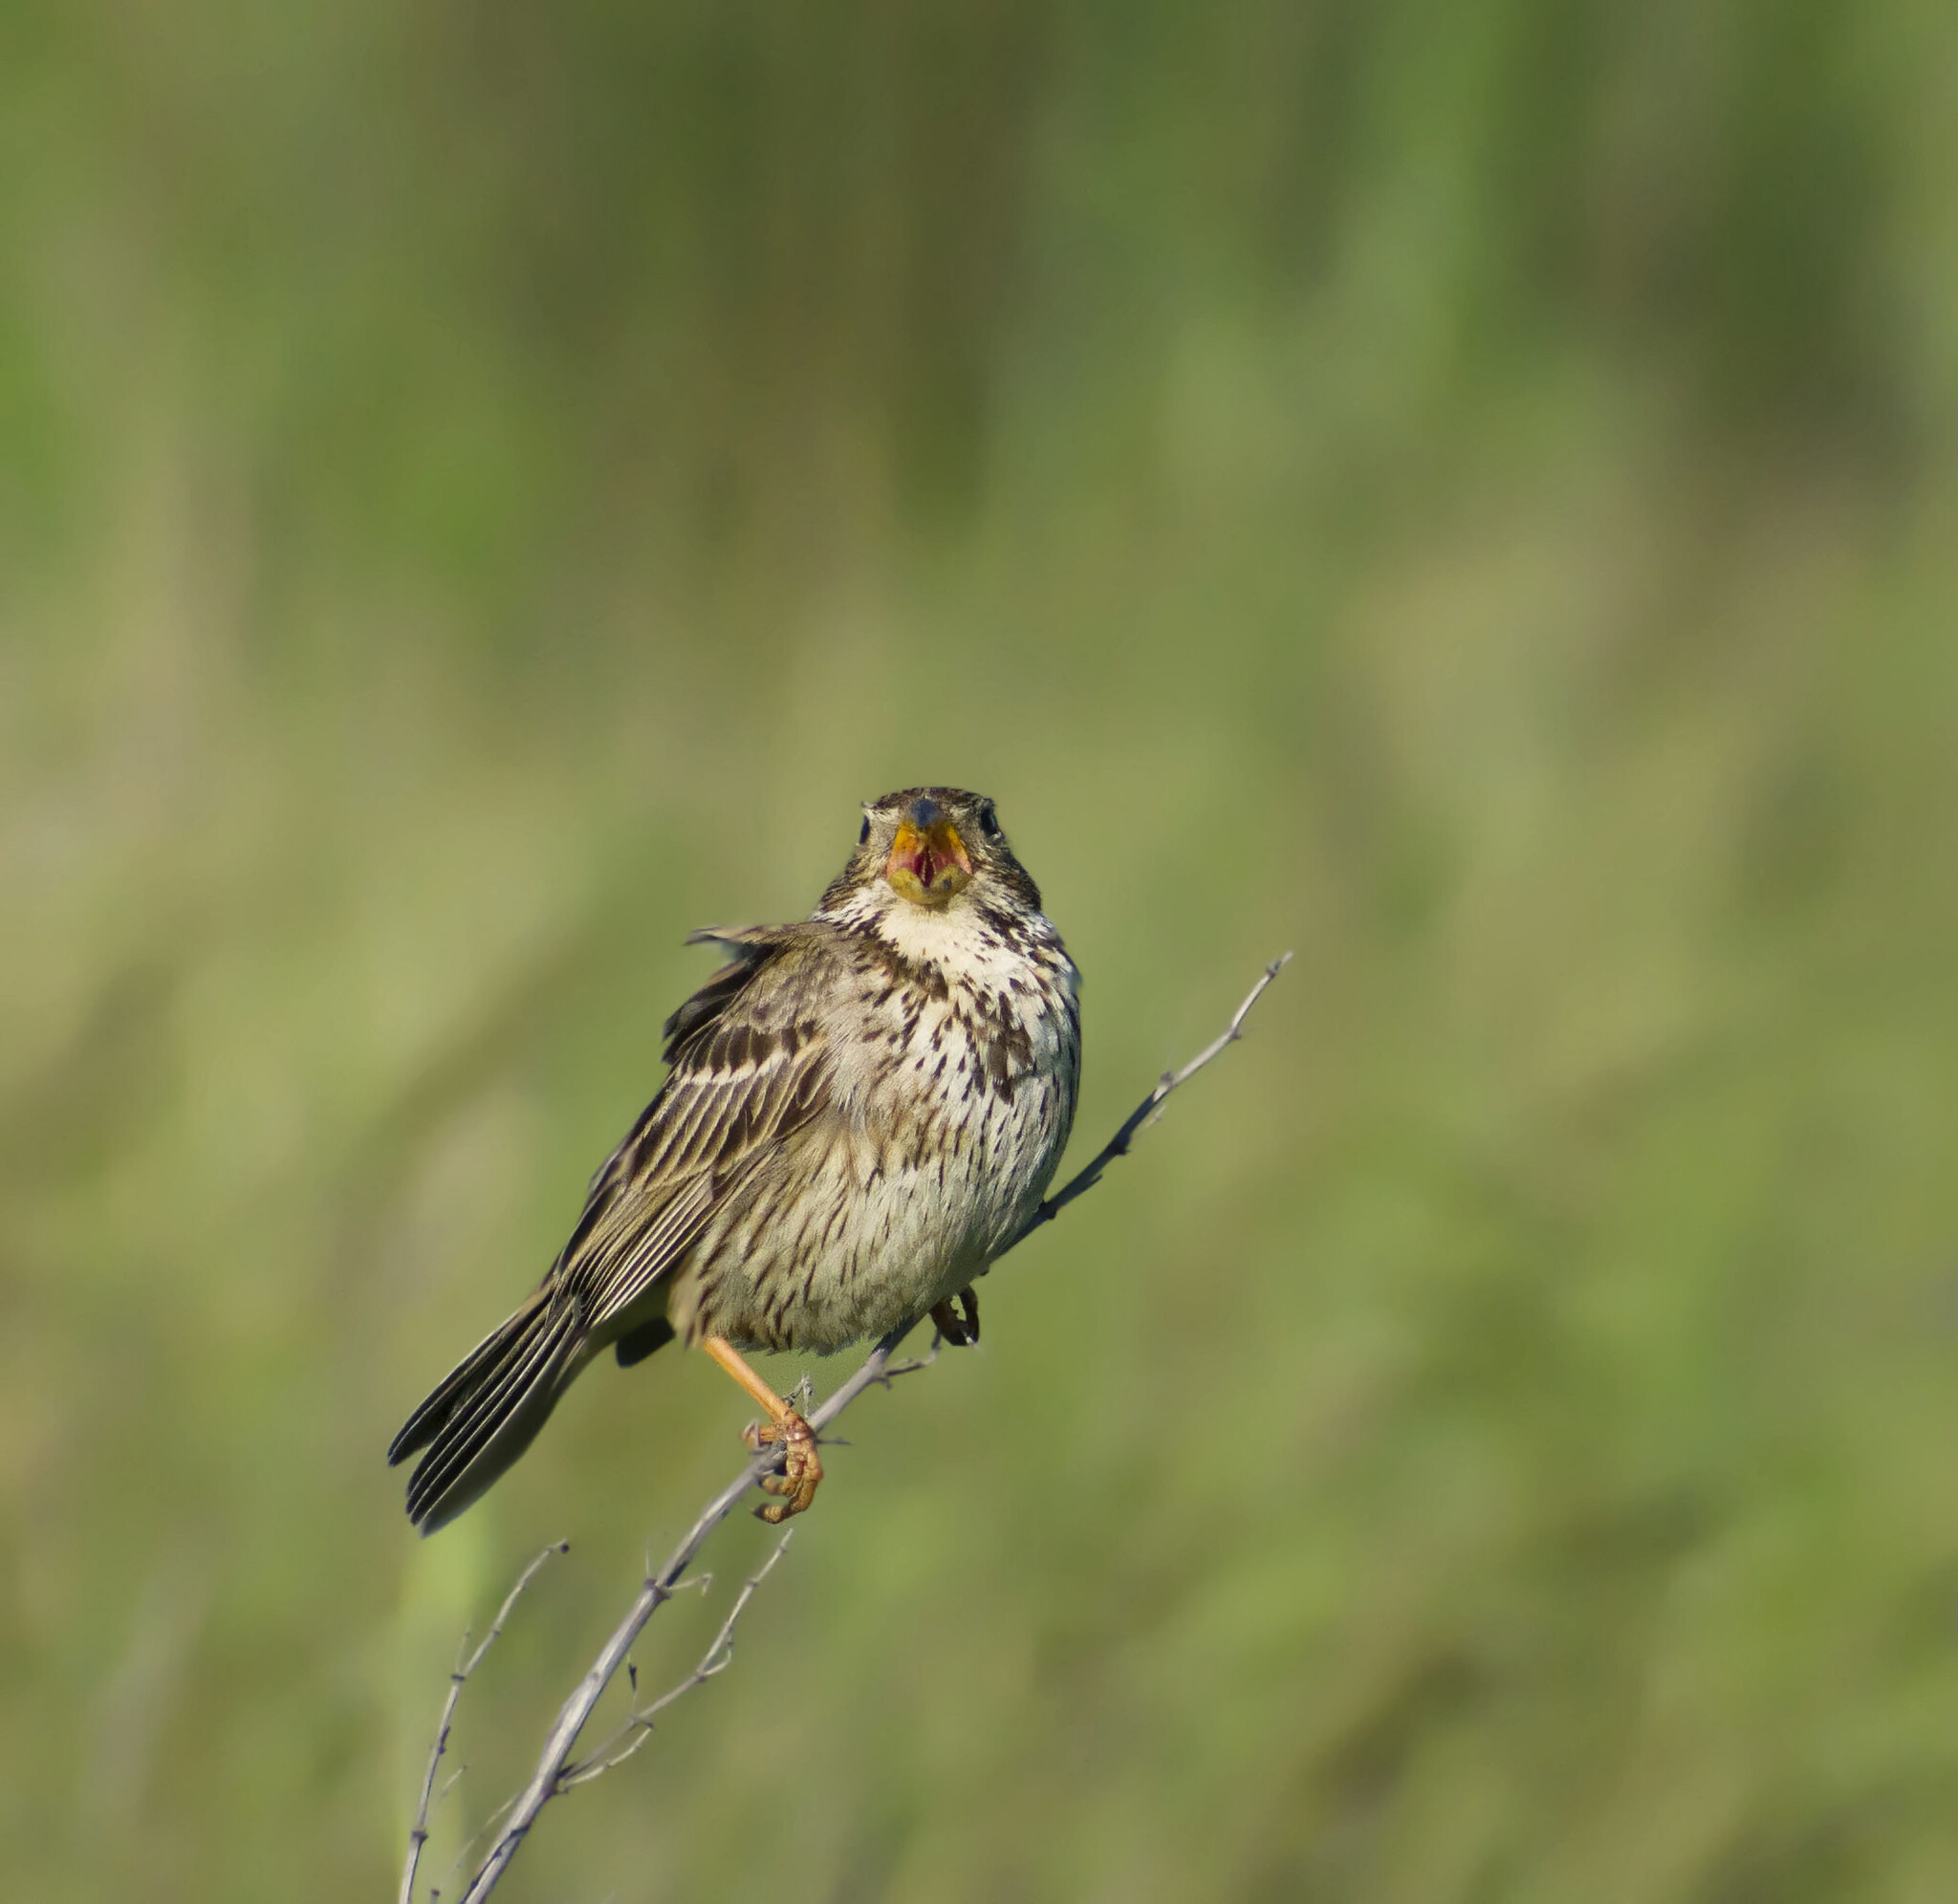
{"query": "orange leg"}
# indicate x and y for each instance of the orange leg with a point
(802, 1470)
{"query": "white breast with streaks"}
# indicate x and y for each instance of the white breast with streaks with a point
(952, 1102)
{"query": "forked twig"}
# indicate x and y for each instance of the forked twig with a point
(465, 1665)
(557, 1771)
(719, 1656)
(548, 1779)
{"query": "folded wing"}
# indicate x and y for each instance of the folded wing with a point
(750, 1067)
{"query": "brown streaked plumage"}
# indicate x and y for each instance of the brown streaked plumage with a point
(864, 1109)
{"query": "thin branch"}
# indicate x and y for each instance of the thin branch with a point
(557, 1771)
(719, 1656)
(1147, 1111)
(891, 1371)
(469, 1844)
(548, 1779)
(464, 1666)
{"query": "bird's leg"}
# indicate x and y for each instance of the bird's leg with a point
(961, 1332)
(802, 1469)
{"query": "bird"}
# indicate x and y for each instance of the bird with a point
(864, 1109)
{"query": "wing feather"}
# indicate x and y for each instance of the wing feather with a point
(750, 1067)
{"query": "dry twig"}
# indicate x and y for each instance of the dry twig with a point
(465, 1664)
(1147, 1111)
(639, 1724)
(557, 1771)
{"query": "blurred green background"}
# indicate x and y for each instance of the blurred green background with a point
(1468, 491)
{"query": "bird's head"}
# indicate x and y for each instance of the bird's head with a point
(933, 848)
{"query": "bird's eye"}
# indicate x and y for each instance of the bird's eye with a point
(865, 833)
(989, 822)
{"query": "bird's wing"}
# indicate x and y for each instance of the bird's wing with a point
(752, 1065)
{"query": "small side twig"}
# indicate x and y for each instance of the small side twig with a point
(557, 1771)
(465, 1664)
(889, 1373)
(547, 1781)
(638, 1727)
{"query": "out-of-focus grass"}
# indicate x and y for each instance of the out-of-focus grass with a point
(1466, 492)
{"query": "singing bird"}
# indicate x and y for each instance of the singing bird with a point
(864, 1110)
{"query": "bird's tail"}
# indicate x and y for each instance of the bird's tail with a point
(487, 1409)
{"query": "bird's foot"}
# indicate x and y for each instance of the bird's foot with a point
(961, 1330)
(801, 1470)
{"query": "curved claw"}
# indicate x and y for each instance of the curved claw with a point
(961, 1332)
(802, 1472)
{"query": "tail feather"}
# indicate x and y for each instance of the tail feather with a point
(487, 1411)
(422, 1426)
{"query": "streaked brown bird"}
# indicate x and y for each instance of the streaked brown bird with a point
(864, 1110)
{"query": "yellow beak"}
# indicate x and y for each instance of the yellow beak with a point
(929, 866)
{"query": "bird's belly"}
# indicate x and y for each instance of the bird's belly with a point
(882, 1222)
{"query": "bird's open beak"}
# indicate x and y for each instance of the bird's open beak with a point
(928, 862)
